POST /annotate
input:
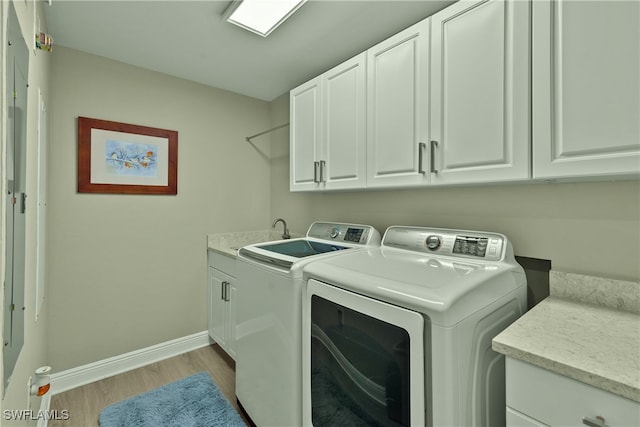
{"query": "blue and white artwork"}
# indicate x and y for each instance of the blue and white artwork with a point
(131, 159)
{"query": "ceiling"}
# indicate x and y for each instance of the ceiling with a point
(189, 39)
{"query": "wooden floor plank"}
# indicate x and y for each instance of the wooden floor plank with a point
(85, 403)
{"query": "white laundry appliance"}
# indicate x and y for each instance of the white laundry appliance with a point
(400, 335)
(269, 317)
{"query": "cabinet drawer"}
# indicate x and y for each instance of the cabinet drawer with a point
(557, 400)
(516, 419)
(224, 263)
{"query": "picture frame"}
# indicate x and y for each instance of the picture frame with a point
(121, 158)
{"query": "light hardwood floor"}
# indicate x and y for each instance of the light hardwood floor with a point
(85, 403)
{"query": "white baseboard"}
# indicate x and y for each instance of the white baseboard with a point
(81, 375)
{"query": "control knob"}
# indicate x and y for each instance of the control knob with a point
(433, 242)
(335, 232)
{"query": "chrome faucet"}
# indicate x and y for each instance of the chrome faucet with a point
(286, 234)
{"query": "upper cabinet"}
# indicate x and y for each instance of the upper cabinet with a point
(305, 135)
(398, 108)
(327, 132)
(480, 122)
(483, 91)
(586, 88)
(344, 125)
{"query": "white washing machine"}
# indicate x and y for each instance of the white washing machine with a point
(401, 335)
(269, 313)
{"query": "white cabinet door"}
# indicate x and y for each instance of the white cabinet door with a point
(231, 319)
(221, 314)
(216, 312)
(343, 156)
(397, 108)
(480, 81)
(586, 88)
(305, 135)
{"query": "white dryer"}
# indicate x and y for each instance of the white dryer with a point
(401, 335)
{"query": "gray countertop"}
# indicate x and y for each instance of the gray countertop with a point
(588, 330)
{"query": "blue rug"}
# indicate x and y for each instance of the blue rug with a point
(192, 401)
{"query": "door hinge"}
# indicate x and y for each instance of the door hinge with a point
(12, 307)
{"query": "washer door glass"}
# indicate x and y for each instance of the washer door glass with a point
(361, 366)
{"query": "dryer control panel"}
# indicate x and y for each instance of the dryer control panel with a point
(461, 243)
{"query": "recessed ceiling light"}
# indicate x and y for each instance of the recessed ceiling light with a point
(261, 16)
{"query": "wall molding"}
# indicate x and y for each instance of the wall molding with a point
(85, 374)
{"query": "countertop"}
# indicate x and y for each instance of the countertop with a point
(229, 243)
(588, 329)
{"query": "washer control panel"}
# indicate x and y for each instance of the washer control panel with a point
(460, 243)
(347, 233)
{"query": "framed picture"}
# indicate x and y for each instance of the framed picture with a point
(120, 158)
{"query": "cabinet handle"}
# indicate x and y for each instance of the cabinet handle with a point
(421, 147)
(316, 165)
(434, 144)
(323, 166)
(224, 286)
(227, 297)
(598, 422)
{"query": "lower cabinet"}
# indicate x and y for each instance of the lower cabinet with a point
(221, 299)
(537, 397)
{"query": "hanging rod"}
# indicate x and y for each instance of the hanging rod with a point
(249, 138)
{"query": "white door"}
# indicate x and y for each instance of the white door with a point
(344, 145)
(480, 123)
(397, 108)
(341, 334)
(586, 88)
(305, 135)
